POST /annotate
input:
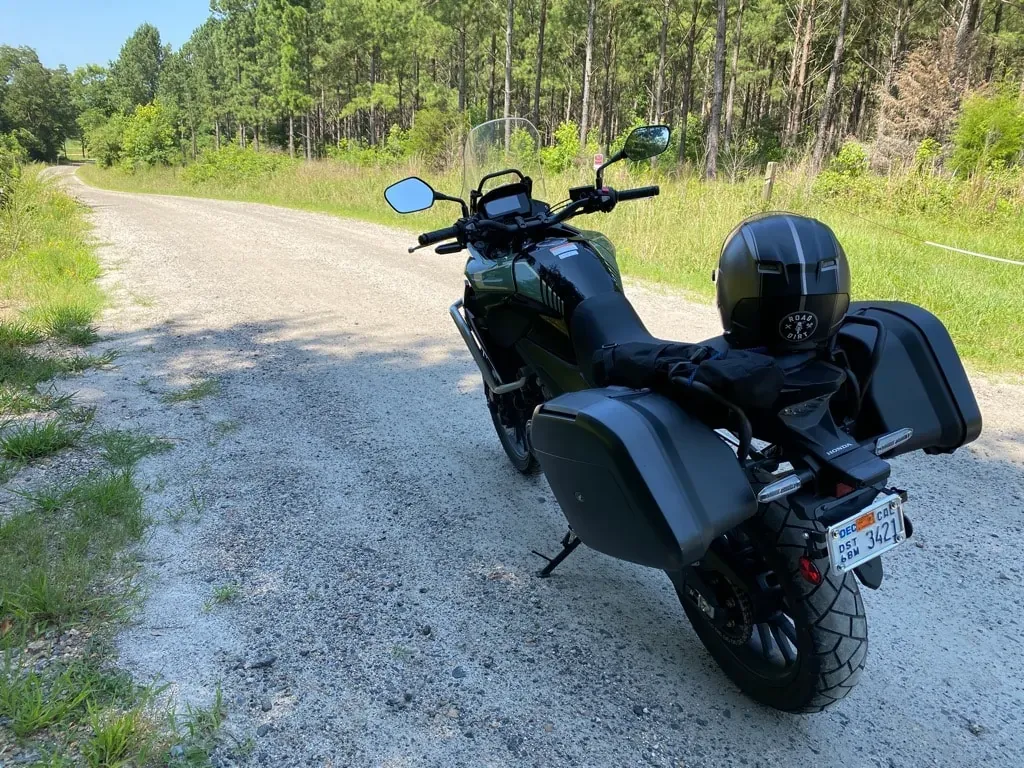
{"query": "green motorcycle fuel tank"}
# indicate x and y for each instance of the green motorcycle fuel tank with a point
(523, 298)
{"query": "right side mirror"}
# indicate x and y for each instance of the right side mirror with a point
(410, 195)
(646, 141)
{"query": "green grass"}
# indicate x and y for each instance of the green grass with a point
(34, 701)
(18, 334)
(75, 154)
(675, 238)
(123, 449)
(36, 440)
(224, 593)
(47, 264)
(66, 548)
(197, 391)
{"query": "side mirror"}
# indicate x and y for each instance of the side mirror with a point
(646, 142)
(410, 195)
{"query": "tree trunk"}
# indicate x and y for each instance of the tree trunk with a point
(794, 65)
(609, 69)
(374, 55)
(659, 81)
(800, 96)
(898, 44)
(718, 87)
(732, 76)
(540, 61)
(687, 97)
(996, 26)
(588, 59)
(828, 102)
(309, 148)
(494, 65)
(508, 71)
(291, 135)
(962, 44)
(216, 134)
(462, 66)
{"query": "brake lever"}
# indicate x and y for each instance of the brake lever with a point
(418, 247)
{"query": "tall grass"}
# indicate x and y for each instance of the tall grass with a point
(47, 267)
(676, 237)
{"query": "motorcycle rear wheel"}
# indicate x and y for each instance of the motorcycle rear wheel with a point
(512, 425)
(803, 645)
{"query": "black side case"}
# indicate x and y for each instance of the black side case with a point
(920, 382)
(637, 477)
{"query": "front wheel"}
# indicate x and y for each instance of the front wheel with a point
(786, 641)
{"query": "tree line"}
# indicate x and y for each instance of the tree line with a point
(741, 81)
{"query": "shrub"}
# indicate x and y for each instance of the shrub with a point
(563, 152)
(148, 137)
(106, 139)
(927, 154)
(846, 173)
(989, 133)
(231, 166)
(432, 134)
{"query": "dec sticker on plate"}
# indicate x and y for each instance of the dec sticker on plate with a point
(872, 531)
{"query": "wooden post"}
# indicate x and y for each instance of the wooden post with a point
(769, 181)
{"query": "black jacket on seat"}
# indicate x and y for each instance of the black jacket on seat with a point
(613, 347)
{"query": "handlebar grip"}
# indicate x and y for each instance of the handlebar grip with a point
(639, 192)
(429, 238)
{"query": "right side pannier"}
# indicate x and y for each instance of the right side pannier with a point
(919, 381)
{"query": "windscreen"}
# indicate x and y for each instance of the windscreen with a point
(500, 144)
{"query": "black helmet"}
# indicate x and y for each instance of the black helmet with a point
(783, 283)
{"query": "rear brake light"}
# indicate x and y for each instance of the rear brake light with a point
(842, 489)
(810, 571)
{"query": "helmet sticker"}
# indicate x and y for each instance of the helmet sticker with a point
(798, 326)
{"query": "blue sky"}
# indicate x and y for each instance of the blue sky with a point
(76, 33)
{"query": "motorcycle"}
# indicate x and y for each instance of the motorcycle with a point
(754, 479)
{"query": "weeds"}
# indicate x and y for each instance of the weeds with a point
(227, 427)
(197, 391)
(225, 593)
(72, 325)
(18, 335)
(192, 510)
(120, 738)
(123, 449)
(27, 442)
(64, 566)
(33, 701)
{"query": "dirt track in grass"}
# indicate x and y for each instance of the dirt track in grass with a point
(344, 476)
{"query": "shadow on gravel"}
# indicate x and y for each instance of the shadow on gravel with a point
(382, 546)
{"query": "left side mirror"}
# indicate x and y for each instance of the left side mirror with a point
(646, 141)
(410, 195)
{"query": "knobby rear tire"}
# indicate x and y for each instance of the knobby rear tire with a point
(830, 623)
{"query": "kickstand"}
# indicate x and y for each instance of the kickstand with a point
(569, 542)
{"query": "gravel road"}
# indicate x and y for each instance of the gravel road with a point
(346, 479)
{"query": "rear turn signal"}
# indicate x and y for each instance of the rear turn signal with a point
(810, 571)
(886, 443)
(780, 488)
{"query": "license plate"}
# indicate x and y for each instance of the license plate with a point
(871, 532)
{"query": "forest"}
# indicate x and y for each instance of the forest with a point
(742, 82)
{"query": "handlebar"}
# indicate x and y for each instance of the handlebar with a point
(600, 200)
(429, 238)
(638, 193)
